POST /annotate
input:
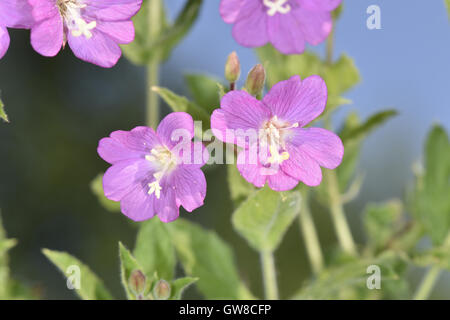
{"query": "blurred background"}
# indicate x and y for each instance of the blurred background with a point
(59, 108)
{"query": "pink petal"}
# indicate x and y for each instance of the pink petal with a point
(250, 168)
(190, 187)
(121, 178)
(297, 101)
(112, 10)
(314, 25)
(323, 146)
(120, 31)
(302, 167)
(229, 10)
(166, 206)
(175, 128)
(138, 205)
(285, 33)
(238, 111)
(43, 9)
(47, 36)
(125, 145)
(4, 41)
(100, 49)
(325, 5)
(250, 29)
(281, 181)
(15, 14)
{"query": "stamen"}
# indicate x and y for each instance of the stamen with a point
(164, 162)
(277, 6)
(156, 188)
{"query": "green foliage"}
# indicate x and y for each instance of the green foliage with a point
(239, 188)
(430, 199)
(383, 222)
(447, 4)
(154, 249)
(97, 190)
(5, 246)
(340, 76)
(204, 91)
(3, 114)
(204, 255)
(144, 49)
(439, 256)
(128, 264)
(182, 104)
(91, 287)
(265, 216)
(179, 285)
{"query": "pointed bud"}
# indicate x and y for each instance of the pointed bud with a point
(232, 68)
(255, 80)
(137, 282)
(161, 291)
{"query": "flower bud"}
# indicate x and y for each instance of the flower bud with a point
(137, 282)
(161, 291)
(232, 68)
(255, 80)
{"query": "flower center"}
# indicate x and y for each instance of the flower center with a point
(70, 11)
(272, 136)
(277, 6)
(164, 161)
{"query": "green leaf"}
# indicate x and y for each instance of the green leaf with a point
(128, 264)
(182, 104)
(179, 285)
(204, 91)
(265, 216)
(382, 222)
(145, 49)
(430, 199)
(91, 287)
(5, 246)
(239, 188)
(97, 190)
(206, 256)
(439, 256)
(447, 4)
(3, 114)
(154, 249)
(373, 122)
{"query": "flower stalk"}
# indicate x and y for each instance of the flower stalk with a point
(154, 28)
(269, 275)
(310, 236)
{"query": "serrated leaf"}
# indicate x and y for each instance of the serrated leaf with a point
(3, 114)
(382, 222)
(373, 122)
(430, 199)
(206, 256)
(145, 49)
(91, 287)
(204, 91)
(265, 216)
(128, 264)
(97, 190)
(179, 285)
(182, 104)
(239, 188)
(154, 249)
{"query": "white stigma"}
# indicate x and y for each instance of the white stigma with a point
(163, 160)
(277, 6)
(273, 137)
(71, 12)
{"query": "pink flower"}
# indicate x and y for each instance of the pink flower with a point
(93, 28)
(287, 24)
(283, 152)
(13, 14)
(155, 172)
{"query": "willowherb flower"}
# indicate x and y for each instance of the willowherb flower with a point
(277, 149)
(93, 28)
(287, 24)
(13, 14)
(153, 173)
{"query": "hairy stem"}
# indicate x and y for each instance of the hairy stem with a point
(427, 284)
(154, 25)
(269, 275)
(310, 237)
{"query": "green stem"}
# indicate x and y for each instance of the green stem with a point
(269, 275)
(154, 25)
(310, 237)
(427, 284)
